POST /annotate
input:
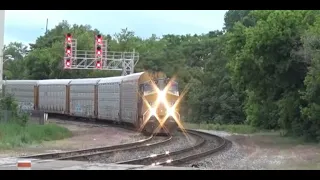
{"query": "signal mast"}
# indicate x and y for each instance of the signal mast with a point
(98, 45)
(68, 52)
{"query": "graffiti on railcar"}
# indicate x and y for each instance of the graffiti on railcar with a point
(25, 106)
(78, 108)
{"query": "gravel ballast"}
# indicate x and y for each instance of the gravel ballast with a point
(179, 141)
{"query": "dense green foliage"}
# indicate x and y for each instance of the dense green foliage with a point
(262, 69)
(10, 112)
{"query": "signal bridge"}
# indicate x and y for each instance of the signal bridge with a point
(100, 59)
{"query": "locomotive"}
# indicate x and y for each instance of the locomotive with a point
(145, 100)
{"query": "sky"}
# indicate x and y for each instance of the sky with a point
(26, 25)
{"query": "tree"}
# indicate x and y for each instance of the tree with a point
(14, 68)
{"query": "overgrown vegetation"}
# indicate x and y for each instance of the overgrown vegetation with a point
(15, 131)
(262, 70)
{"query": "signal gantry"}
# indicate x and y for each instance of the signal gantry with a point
(100, 58)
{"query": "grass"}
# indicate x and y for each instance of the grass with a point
(240, 129)
(14, 135)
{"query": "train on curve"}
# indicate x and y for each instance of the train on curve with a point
(148, 101)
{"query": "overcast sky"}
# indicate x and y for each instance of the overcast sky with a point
(25, 26)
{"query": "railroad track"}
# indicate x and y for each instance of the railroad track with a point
(186, 154)
(201, 148)
(206, 144)
(85, 154)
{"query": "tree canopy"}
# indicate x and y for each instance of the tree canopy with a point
(262, 69)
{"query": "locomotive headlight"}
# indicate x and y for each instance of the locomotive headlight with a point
(153, 111)
(170, 111)
(162, 95)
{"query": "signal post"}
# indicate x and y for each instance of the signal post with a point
(68, 51)
(99, 53)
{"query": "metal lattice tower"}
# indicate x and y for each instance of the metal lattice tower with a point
(111, 60)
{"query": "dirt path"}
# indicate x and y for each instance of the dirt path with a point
(263, 151)
(83, 136)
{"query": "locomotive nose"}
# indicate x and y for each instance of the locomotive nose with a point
(161, 110)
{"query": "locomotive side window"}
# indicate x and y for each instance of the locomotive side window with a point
(174, 88)
(147, 88)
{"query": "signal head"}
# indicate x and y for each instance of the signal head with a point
(68, 63)
(68, 37)
(68, 49)
(99, 38)
(98, 50)
(98, 64)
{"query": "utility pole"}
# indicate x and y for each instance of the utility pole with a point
(2, 21)
(47, 26)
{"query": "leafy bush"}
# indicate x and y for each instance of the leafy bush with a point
(15, 130)
(10, 111)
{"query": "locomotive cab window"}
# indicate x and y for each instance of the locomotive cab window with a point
(161, 84)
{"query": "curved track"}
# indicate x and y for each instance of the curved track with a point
(186, 154)
(205, 144)
(86, 153)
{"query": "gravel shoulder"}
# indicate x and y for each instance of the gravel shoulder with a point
(261, 151)
(83, 136)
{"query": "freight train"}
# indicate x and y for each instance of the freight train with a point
(145, 100)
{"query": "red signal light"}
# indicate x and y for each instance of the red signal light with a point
(68, 50)
(69, 37)
(98, 64)
(68, 63)
(99, 38)
(98, 51)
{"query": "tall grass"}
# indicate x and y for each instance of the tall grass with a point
(14, 135)
(16, 131)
